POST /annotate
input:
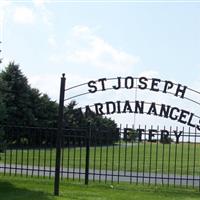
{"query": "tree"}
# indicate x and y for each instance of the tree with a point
(21, 105)
(74, 117)
(16, 96)
(2, 141)
(25, 105)
(43, 109)
(132, 135)
(2, 104)
(2, 118)
(104, 130)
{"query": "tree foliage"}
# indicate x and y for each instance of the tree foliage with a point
(21, 105)
(16, 96)
(2, 104)
(103, 129)
(132, 136)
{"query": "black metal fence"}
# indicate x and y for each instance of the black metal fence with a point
(141, 155)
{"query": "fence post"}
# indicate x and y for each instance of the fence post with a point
(87, 157)
(59, 136)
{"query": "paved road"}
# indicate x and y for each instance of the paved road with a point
(115, 176)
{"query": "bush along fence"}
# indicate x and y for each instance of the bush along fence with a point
(137, 155)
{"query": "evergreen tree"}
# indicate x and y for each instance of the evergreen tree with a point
(22, 105)
(16, 96)
(103, 129)
(46, 112)
(2, 104)
(73, 117)
(25, 105)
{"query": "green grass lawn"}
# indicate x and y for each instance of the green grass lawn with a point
(19, 188)
(183, 158)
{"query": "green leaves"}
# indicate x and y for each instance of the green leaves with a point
(21, 104)
(25, 106)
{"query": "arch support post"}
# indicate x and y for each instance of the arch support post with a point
(59, 136)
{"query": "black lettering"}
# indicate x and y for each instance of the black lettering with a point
(143, 81)
(198, 126)
(177, 135)
(171, 115)
(140, 131)
(88, 111)
(151, 131)
(164, 136)
(139, 107)
(91, 84)
(98, 108)
(102, 80)
(129, 84)
(118, 107)
(154, 84)
(152, 109)
(180, 90)
(168, 86)
(110, 104)
(183, 115)
(190, 120)
(119, 84)
(126, 135)
(164, 111)
(127, 107)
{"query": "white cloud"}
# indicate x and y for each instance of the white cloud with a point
(23, 15)
(150, 74)
(5, 3)
(45, 14)
(47, 83)
(1, 17)
(38, 2)
(91, 49)
(46, 17)
(3, 8)
(57, 58)
(52, 41)
(50, 84)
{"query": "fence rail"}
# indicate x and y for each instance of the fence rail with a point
(142, 155)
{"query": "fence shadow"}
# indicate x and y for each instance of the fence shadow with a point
(9, 191)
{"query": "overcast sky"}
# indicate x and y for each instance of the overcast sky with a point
(90, 40)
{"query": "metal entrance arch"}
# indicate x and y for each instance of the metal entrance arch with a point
(148, 139)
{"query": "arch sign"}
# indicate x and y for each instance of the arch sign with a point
(180, 91)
